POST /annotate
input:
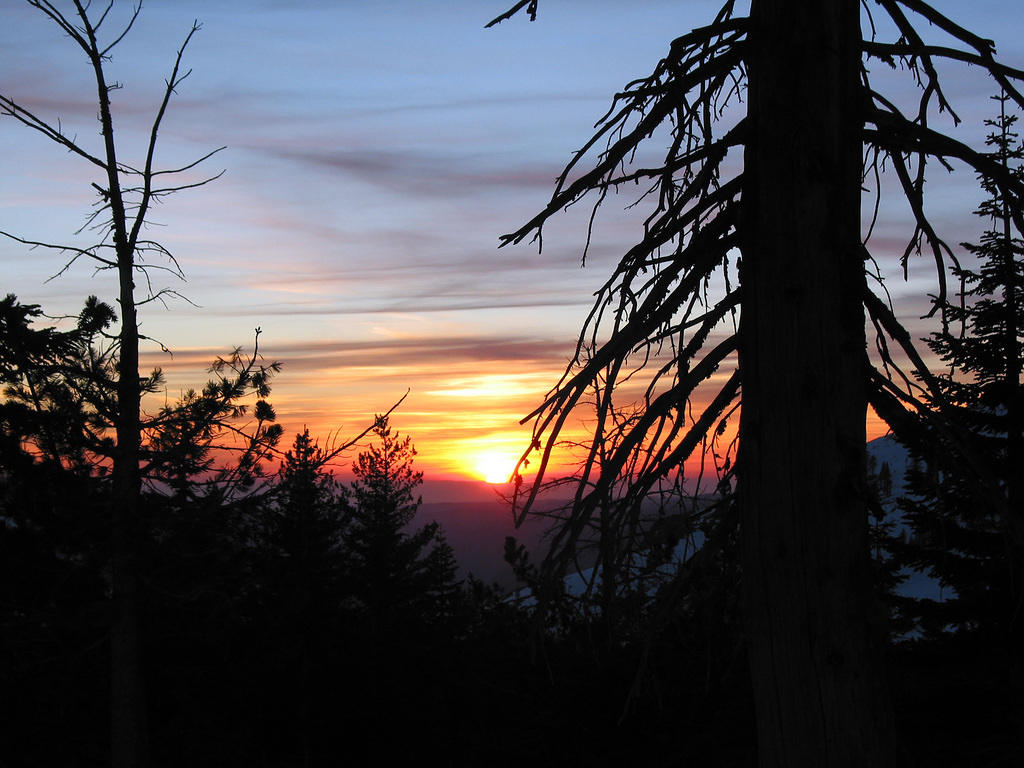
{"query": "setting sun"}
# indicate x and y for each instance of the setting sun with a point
(495, 466)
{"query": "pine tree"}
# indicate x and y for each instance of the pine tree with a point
(53, 570)
(301, 532)
(301, 583)
(970, 536)
(58, 385)
(397, 574)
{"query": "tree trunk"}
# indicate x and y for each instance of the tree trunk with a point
(128, 717)
(129, 727)
(815, 661)
(129, 723)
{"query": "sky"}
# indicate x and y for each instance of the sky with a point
(374, 154)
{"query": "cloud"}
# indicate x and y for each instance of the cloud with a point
(425, 172)
(420, 351)
(429, 357)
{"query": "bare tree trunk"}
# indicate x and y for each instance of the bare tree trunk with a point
(127, 207)
(818, 685)
(129, 730)
(129, 726)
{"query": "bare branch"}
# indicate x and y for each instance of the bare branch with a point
(188, 167)
(131, 22)
(158, 192)
(337, 450)
(531, 9)
(886, 51)
(62, 21)
(980, 44)
(147, 174)
(55, 134)
(62, 248)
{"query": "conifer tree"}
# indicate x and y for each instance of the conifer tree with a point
(303, 528)
(58, 385)
(308, 519)
(970, 536)
(396, 573)
(58, 449)
(300, 582)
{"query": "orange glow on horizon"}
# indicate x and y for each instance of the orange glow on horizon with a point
(463, 423)
(491, 458)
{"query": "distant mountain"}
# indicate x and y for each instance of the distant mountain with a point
(435, 491)
(476, 531)
(476, 521)
(887, 450)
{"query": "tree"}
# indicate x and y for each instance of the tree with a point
(971, 537)
(300, 584)
(56, 454)
(780, 240)
(300, 528)
(58, 385)
(402, 604)
(126, 192)
(397, 574)
(307, 520)
(52, 541)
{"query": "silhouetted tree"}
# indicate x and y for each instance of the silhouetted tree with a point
(777, 233)
(53, 545)
(126, 193)
(395, 572)
(968, 535)
(58, 385)
(56, 453)
(306, 520)
(300, 586)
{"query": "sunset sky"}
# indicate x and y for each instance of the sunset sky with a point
(375, 152)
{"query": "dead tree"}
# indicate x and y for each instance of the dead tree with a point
(784, 97)
(126, 193)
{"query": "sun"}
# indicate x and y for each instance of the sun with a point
(494, 467)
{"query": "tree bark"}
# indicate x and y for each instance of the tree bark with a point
(129, 723)
(819, 688)
(129, 727)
